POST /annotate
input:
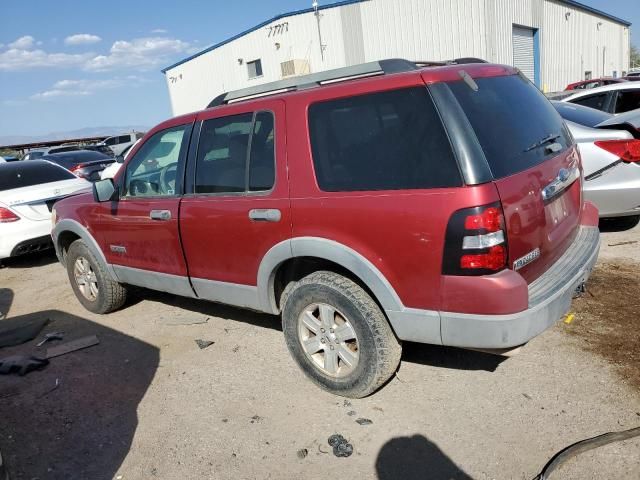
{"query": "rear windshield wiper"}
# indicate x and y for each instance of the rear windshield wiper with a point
(544, 141)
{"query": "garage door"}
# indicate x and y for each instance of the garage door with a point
(523, 51)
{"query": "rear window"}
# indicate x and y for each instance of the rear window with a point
(382, 141)
(589, 117)
(509, 116)
(28, 174)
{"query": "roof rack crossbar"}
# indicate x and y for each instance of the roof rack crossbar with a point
(381, 67)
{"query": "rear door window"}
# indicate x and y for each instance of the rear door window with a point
(28, 174)
(381, 141)
(509, 116)
(236, 154)
(593, 101)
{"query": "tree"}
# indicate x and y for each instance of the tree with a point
(634, 61)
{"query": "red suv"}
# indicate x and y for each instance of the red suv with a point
(383, 202)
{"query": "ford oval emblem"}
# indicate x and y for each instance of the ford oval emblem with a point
(563, 175)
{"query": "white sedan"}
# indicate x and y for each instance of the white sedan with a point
(28, 191)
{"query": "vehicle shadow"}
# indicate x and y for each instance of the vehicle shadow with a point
(416, 458)
(84, 426)
(31, 260)
(450, 357)
(210, 309)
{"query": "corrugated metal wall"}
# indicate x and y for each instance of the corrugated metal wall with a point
(571, 41)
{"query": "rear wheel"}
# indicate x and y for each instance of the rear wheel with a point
(90, 282)
(338, 335)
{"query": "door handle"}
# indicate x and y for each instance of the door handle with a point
(163, 215)
(265, 215)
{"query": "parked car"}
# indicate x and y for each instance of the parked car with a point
(35, 154)
(10, 158)
(99, 147)
(85, 164)
(594, 83)
(383, 208)
(112, 169)
(28, 191)
(120, 142)
(610, 149)
(616, 98)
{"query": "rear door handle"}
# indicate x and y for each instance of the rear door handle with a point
(265, 215)
(162, 215)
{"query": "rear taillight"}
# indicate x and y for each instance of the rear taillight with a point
(475, 243)
(627, 150)
(77, 170)
(7, 216)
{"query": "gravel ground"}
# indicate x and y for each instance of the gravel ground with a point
(149, 403)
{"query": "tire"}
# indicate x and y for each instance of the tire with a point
(103, 297)
(353, 367)
(619, 224)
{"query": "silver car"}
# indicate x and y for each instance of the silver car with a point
(610, 149)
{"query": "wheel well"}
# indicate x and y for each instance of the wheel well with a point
(65, 239)
(297, 268)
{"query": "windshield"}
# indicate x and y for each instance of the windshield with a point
(28, 174)
(513, 121)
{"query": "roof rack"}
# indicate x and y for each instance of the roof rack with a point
(381, 67)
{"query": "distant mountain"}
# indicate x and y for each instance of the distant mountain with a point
(80, 133)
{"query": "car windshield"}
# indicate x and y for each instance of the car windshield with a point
(589, 117)
(28, 174)
(70, 159)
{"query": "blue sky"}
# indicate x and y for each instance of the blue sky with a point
(72, 64)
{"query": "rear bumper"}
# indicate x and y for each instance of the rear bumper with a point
(24, 236)
(549, 299)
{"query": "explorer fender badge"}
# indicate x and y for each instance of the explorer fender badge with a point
(526, 259)
(118, 249)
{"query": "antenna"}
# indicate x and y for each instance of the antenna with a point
(316, 12)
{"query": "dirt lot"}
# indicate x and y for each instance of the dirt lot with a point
(148, 403)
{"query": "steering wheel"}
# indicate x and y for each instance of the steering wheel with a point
(168, 178)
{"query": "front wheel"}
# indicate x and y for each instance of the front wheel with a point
(338, 335)
(91, 283)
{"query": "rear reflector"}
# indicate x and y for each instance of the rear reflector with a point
(627, 150)
(7, 216)
(495, 259)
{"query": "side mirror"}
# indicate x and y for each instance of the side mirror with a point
(120, 158)
(104, 190)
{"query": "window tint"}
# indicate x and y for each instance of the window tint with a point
(27, 174)
(509, 115)
(382, 141)
(221, 165)
(593, 101)
(153, 169)
(254, 68)
(124, 138)
(262, 158)
(111, 141)
(588, 117)
(629, 100)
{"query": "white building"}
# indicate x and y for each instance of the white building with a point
(554, 42)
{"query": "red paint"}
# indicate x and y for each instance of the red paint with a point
(220, 241)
